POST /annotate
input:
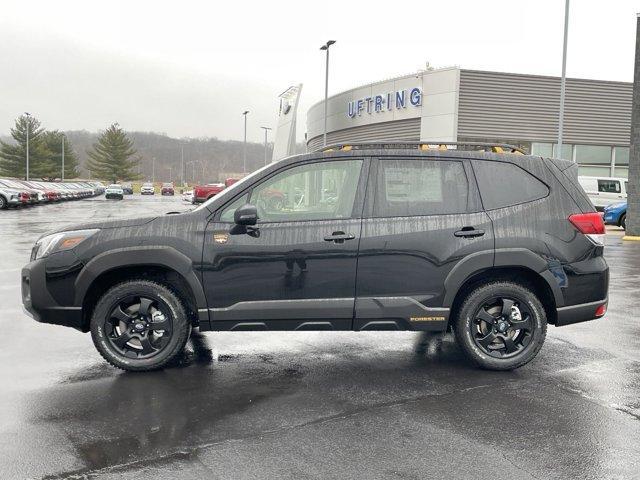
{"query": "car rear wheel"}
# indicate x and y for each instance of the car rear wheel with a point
(501, 325)
(623, 221)
(139, 325)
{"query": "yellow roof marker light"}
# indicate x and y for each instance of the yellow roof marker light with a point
(346, 148)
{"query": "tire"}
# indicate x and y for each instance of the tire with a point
(3, 203)
(122, 312)
(501, 346)
(623, 221)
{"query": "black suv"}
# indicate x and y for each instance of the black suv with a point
(490, 244)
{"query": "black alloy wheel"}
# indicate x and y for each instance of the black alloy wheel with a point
(140, 325)
(502, 327)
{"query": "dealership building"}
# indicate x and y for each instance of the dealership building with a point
(458, 105)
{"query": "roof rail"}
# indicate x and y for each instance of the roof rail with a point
(426, 145)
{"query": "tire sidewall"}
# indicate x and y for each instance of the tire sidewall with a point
(179, 332)
(464, 322)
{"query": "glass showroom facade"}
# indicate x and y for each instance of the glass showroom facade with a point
(593, 160)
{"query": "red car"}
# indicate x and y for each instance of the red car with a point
(167, 189)
(202, 193)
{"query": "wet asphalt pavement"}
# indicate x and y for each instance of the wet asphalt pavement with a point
(313, 405)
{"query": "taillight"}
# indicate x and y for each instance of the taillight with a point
(602, 309)
(590, 224)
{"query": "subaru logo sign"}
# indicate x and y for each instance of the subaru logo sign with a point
(385, 102)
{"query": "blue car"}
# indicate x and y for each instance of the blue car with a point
(616, 214)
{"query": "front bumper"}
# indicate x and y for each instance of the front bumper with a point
(38, 302)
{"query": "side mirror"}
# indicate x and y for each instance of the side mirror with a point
(246, 215)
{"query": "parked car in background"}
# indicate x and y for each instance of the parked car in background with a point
(114, 191)
(147, 189)
(616, 214)
(187, 196)
(202, 193)
(604, 191)
(9, 197)
(34, 196)
(127, 188)
(230, 181)
(167, 189)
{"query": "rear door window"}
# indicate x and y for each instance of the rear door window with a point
(420, 187)
(504, 184)
(609, 186)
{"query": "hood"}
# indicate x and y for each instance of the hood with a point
(104, 225)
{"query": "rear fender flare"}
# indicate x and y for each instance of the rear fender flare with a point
(501, 258)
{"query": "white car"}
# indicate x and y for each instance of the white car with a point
(114, 191)
(187, 196)
(147, 189)
(604, 191)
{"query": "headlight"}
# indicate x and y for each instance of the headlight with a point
(58, 242)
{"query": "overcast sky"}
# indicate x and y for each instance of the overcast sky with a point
(189, 68)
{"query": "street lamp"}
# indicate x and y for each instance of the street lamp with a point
(182, 163)
(266, 132)
(28, 125)
(563, 79)
(325, 47)
(244, 150)
(62, 175)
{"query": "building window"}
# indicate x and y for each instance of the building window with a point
(567, 151)
(542, 149)
(622, 155)
(588, 171)
(593, 154)
(622, 172)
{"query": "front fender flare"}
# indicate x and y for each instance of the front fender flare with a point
(161, 256)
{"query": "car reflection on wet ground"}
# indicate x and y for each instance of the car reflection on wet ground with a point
(313, 404)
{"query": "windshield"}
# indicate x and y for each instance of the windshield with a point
(230, 191)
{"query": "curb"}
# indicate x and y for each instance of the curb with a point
(631, 237)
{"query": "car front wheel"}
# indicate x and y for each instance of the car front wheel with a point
(501, 325)
(139, 325)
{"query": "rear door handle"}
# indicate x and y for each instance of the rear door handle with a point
(339, 237)
(469, 232)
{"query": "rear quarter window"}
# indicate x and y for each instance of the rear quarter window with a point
(504, 184)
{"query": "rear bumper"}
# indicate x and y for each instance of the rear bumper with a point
(579, 313)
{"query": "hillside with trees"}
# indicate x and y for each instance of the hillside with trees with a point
(218, 158)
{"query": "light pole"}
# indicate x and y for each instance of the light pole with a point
(564, 78)
(266, 132)
(182, 163)
(170, 173)
(153, 169)
(244, 150)
(28, 126)
(325, 47)
(62, 176)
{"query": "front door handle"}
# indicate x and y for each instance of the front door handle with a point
(338, 237)
(469, 232)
